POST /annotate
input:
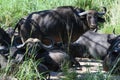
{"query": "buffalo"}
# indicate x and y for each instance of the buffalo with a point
(49, 59)
(61, 24)
(111, 61)
(32, 48)
(5, 42)
(91, 44)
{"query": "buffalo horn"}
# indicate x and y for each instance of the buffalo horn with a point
(83, 13)
(3, 48)
(20, 46)
(35, 40)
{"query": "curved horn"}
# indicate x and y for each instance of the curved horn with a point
(29, 40)
(35, 40)
(103, 11)
(20, 46)
(3, 50)
(83, 13)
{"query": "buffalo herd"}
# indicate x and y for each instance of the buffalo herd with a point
(57, 37)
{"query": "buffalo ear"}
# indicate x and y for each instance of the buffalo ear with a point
(101, 19)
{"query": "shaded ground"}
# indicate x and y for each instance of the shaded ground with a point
(88, 66)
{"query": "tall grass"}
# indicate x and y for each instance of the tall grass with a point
(12, 10)
(113, 18)
(25, 70)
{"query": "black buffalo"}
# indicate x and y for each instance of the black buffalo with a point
(90, 45)
(32, 48)
(94, 44)
(111, 61)
(12, 53)
(64, 23)
(5, 42)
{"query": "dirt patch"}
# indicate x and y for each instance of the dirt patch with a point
(91, 66)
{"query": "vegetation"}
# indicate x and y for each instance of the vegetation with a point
(15, 9)
(12, 10)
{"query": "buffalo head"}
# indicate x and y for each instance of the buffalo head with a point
(112, 62)
(93, 17)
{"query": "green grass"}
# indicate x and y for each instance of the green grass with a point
(28, 71)
(25, 70)
(12, 10)
(15, 9)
